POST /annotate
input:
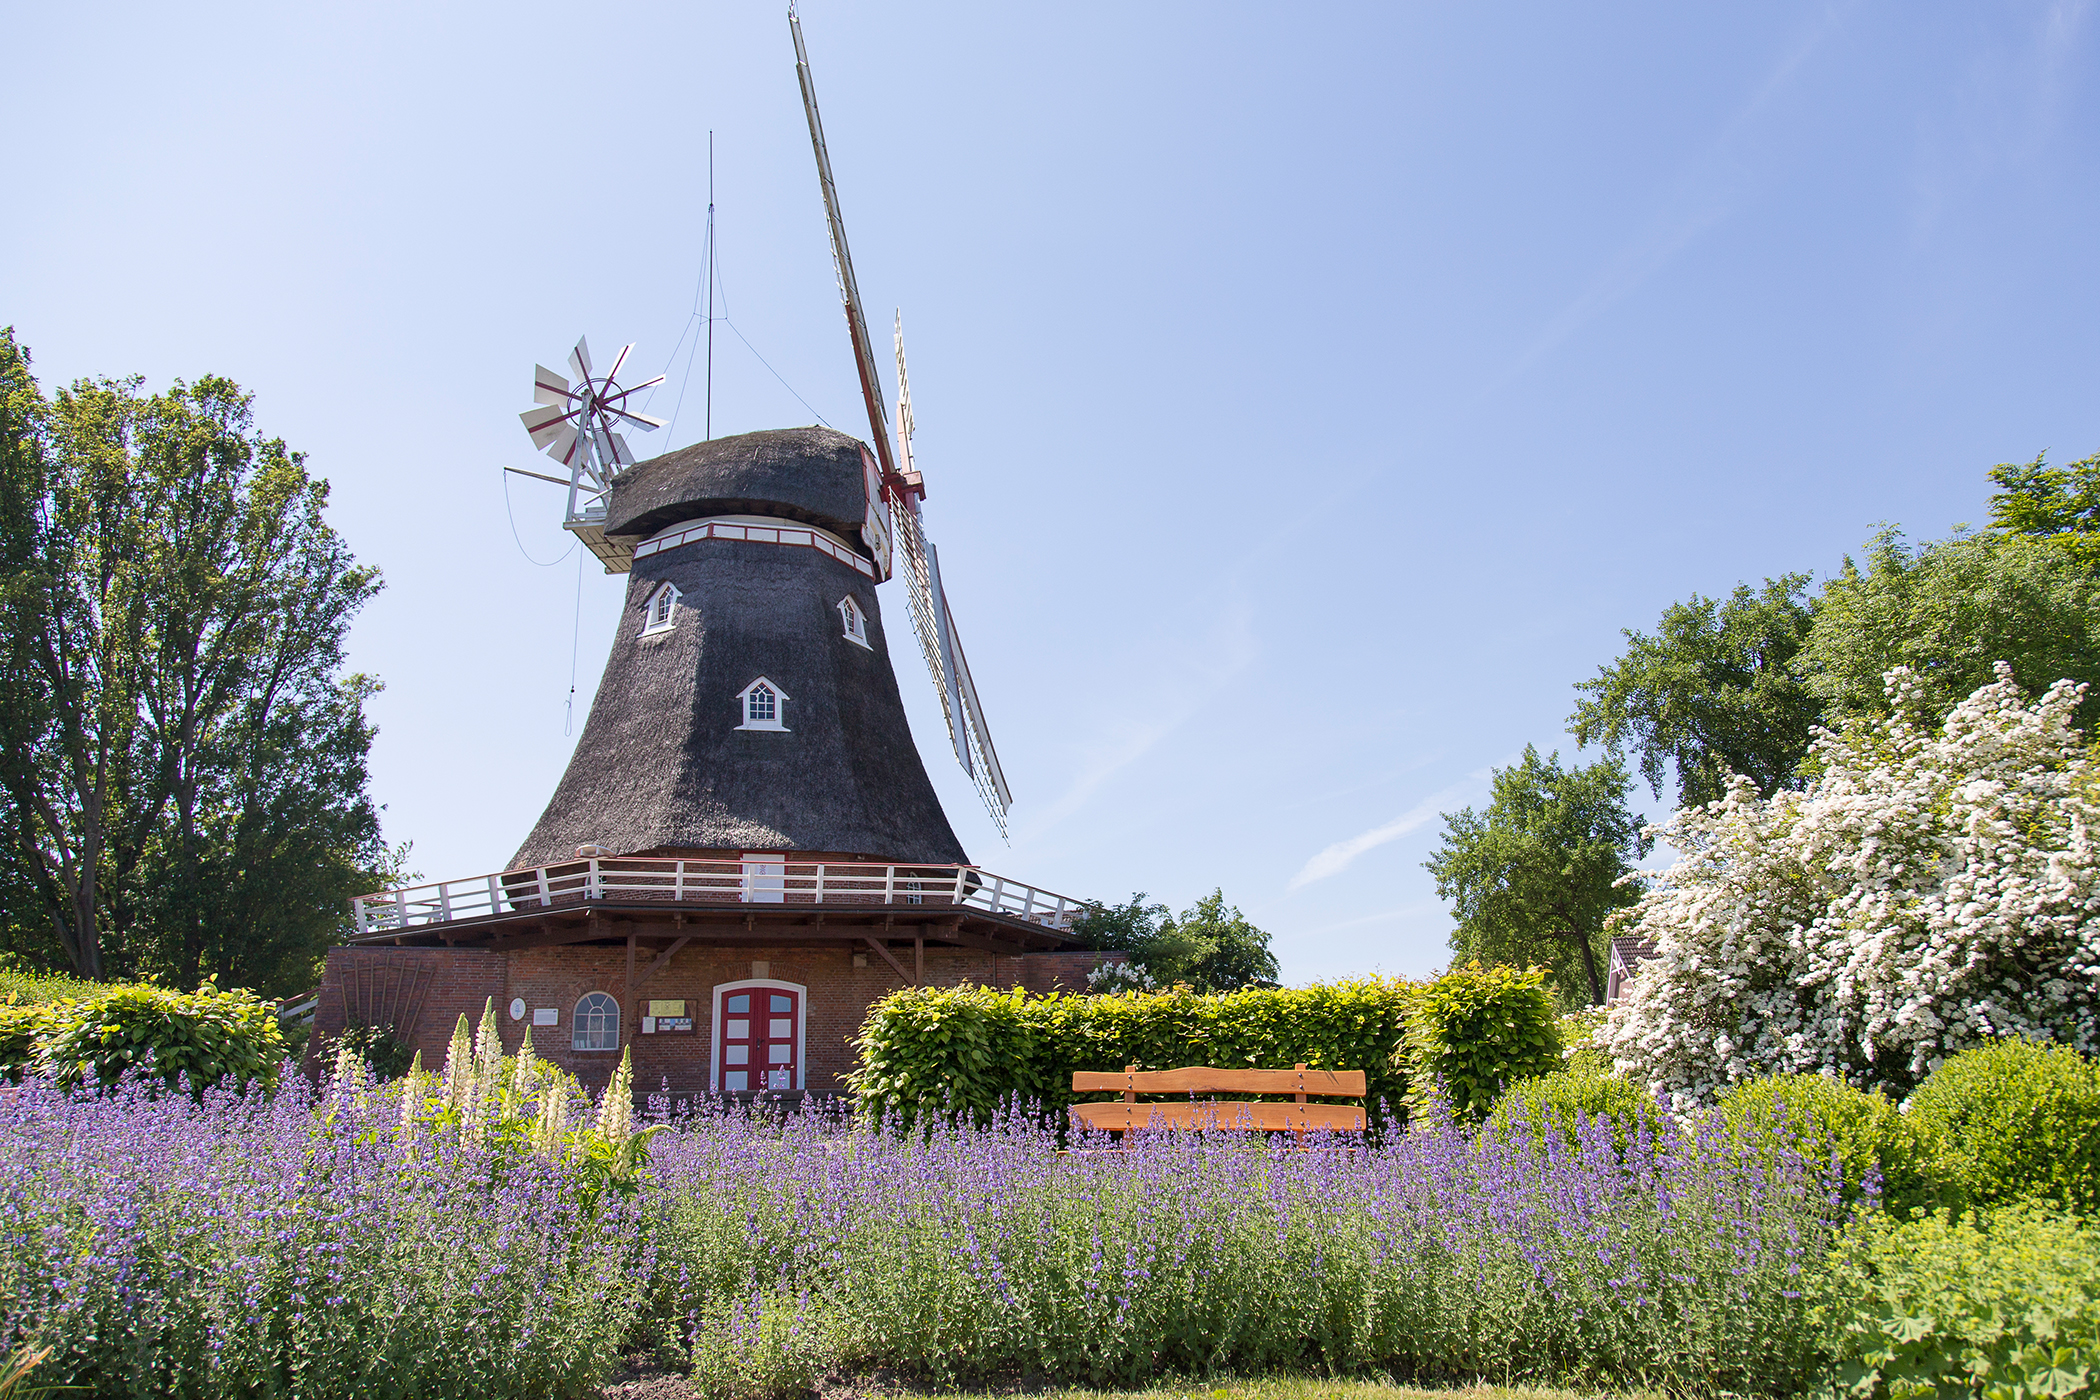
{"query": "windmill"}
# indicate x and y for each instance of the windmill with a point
(579, 426)
(902, 489)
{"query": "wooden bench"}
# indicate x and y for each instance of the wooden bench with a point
(1297, 1116)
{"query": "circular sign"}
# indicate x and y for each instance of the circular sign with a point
(517, 1008)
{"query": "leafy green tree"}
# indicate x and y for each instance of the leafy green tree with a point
(1211, 947)
(1713, 692)
(1533, 878)
(185, 761)
(1949, 610)
(2057, 505)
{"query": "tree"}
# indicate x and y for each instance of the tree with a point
(185, 764)
(1533, 878)
(2059, 506)
(1711, 693)
(1935, 886)
(1211, 947)
(1949, 611)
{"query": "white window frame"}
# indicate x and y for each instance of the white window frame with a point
(714, 1029)
(780, 698)
(665, 598)
(856, 622)
(576, 1024)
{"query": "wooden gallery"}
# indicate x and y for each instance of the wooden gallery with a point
(745, 851)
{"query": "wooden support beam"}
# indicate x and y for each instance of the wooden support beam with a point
(918, 961)
(629, 1011)
(661, 960)
(890, 958)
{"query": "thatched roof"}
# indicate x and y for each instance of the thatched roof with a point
(661, 762)
(808, 474)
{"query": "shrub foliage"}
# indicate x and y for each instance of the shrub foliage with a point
(205, 1035)
(1831, 1124)
(2014, 1121)
(1477, 1030)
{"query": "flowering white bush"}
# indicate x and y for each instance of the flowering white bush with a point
(1934, 887)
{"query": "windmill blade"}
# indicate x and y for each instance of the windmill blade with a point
(842, 258)
(580, 361)
(545, 424)
(549, 387)
(991, 779)
(944, 631)
(618, 360)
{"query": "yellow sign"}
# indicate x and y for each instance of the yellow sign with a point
(667, 1008)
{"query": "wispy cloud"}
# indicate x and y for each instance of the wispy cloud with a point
(1338, 857)
(1707, 193)
(1153, 708)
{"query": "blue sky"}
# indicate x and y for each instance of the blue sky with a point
(1307, 395)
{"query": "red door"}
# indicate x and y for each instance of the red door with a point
(760, 1050)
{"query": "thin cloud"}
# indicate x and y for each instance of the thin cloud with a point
(1338, 857)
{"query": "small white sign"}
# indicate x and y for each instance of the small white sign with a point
(517, 1008)
(648, 1025)
(546, 1015)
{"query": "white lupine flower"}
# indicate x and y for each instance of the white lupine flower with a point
(1934, 887)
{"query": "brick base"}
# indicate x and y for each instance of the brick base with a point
(461, 981)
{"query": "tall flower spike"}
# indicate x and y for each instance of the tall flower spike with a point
(522, 1074)
(616, 1109)
(488, 1056)
(459, 1065)
(553, 1125)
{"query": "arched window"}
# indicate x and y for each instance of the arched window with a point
(663, 607)
(763, 704)
(856, 621)
(597, 1023)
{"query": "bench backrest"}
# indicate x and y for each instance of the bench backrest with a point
(1297, 1115)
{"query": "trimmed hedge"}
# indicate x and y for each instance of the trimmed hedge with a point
(1477, 1031)
(2018, 1120)
(207, 1035)
(944, 1051)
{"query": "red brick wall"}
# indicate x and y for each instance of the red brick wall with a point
(456, 981)
(838, 997)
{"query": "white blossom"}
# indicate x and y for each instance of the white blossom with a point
(1935, 886)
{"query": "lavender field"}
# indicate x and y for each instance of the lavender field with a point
(357, 1242)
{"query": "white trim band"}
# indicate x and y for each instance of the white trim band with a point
(748, 529)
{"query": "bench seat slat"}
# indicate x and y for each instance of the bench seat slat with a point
(1202, 1079)
(1306, 1117)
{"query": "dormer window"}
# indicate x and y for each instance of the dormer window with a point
(764, 705)
(856, 621)
(663, 607)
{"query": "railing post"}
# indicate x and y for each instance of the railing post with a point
(357, 910)
(1028, 904)
(546, 897)
(889, 884)
(401, 908)
(495, 896)
(820, 882)
(592, 890)
(444, 904)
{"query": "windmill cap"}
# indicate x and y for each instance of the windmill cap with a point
(811, 475)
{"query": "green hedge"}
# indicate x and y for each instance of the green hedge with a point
(207, 1034)
(950, 1050)
(2013, 1121)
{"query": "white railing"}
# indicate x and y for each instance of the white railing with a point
(775, 880)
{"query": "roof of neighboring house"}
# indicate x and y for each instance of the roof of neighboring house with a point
(1625, 952)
